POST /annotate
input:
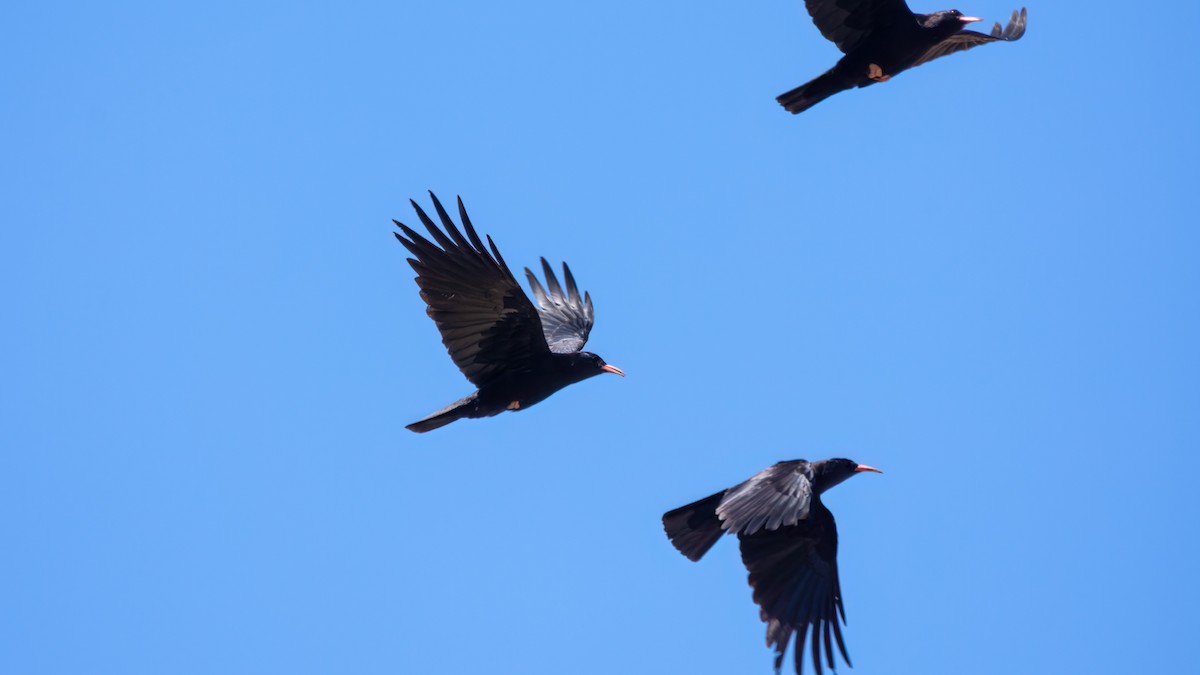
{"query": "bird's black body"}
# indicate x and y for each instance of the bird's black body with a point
(517, 391)
(515, 354)
(789, 545)
(881, 38)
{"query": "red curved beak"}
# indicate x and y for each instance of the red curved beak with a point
(864, 467)
(969, 19)
(612, 369)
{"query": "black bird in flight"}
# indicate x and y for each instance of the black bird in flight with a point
(789, 545)
(516, 354)
(881, 38)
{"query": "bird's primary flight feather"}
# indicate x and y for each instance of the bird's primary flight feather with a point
(488, 324)
(566, 318)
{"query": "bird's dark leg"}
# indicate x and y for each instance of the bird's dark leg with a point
(876, 73)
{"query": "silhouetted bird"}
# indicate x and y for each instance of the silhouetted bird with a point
(515, 354)
(881, 38)
(789, 545)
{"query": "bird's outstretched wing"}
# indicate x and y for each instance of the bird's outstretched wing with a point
(777, 496)
(566, 318)
(966, 39)
(487, 323)
(793, 571)
(774, 497)
(846, 23)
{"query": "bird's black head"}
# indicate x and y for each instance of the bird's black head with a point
(947, 22)
(830, 472)
(586, 364)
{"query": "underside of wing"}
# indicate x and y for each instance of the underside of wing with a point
(969, 39)
(847, 23)
(793, 571)
(567, 318)
(487, 323)
(774, 497)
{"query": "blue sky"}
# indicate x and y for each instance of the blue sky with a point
(980, 277)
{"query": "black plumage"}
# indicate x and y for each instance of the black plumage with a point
(513, 353)
(789, 545)
(881, 38)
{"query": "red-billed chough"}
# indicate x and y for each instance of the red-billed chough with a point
(881, 38)
(789, 545)
(514, 353)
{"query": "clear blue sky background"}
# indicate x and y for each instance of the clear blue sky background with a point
(981, 277)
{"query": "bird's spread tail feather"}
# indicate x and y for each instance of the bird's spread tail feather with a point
(454, 411)
(812, 92)
(693, 529)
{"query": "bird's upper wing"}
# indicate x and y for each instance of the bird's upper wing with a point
(793, 571)
(566, 318)
(774, 497)
(966, 39)
(846, 23)
(488, 324)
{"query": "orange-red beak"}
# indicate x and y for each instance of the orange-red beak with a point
(969, 19)
(864, 467)
(612, 369)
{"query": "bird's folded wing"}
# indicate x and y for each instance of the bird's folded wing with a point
(967, 39)
(566, 318)
(776, 496)
(847, 23)
(487, 323)
(793, 571)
